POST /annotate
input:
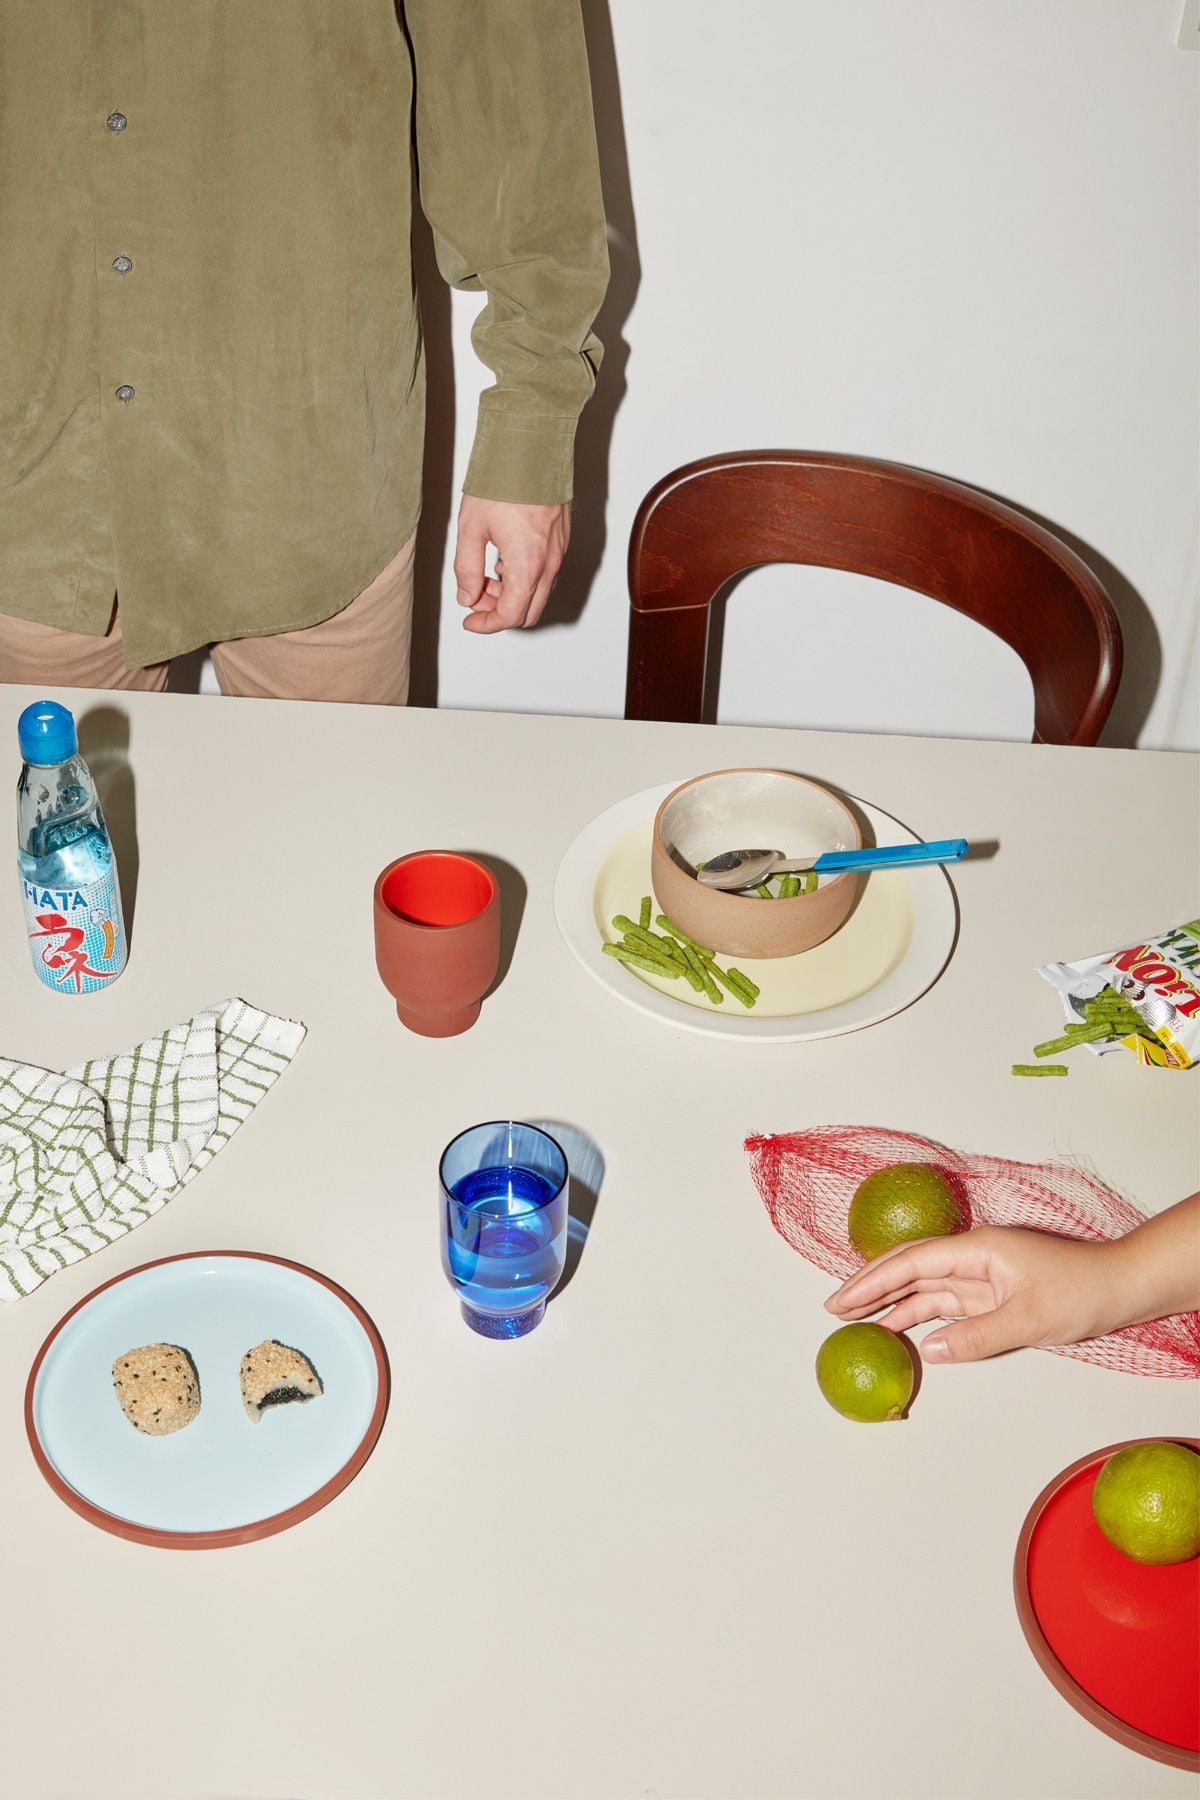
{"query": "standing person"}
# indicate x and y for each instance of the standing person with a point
(211, 418)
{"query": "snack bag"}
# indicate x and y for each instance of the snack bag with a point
(1159, 979)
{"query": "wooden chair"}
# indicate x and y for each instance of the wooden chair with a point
(712, 519)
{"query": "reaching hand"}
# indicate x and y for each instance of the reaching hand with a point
(1006, 1287)
(531, 540)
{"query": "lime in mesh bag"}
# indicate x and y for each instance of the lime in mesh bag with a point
(808, 1178)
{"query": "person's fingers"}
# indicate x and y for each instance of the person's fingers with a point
(522, 573)
(489, 598)
(503, 616)
(942, 1300)
(896, 1272)
(526, 567)
(958, 1256)
(918, 1309)
(911, 1305)
(507, 611)
(967, 1295)
(470, 562)
(989, 1334)
(493, 587)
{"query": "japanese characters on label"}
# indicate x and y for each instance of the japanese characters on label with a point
(75, 934)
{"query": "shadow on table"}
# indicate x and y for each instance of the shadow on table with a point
(104, 746)
(914, 1352)
(513, 893)
(585, 1160)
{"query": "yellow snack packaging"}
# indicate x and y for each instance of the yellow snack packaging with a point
(1158, 978)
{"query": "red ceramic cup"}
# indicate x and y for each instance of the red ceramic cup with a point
(437, 939)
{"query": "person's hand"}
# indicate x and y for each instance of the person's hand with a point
(531, 540)
(1005, 1287)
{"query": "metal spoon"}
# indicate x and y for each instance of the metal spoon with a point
(734, 869)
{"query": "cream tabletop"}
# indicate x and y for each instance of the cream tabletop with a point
(634, 1554)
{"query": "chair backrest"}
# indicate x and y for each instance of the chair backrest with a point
(713, 519)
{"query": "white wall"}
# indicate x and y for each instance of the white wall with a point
(961, 234)
(956, 233)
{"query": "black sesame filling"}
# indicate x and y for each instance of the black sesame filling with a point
(280, 1396)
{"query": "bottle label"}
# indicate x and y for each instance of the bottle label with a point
(76, 935)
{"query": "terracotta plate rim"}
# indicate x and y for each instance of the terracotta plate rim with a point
(1077, 1696)
(228, 1536)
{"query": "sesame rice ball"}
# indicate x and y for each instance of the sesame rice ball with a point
(157, 1388)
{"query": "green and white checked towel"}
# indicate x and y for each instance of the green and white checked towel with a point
(89, 1155)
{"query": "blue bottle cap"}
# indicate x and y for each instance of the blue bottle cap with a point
(46, 733)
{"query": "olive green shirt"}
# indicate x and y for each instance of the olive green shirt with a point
(212, 387)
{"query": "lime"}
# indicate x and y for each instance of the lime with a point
(1146, 1501)
(899, 1203)
(866, 1373)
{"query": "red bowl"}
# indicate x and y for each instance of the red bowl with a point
(1120, 1640)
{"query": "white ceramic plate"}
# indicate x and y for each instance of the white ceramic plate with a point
(223, 1479)
(892, 948)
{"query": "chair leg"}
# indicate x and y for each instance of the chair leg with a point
(667, 653)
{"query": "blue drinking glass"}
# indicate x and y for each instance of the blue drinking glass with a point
(504, 1224)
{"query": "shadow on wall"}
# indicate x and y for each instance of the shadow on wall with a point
(187, 672)
(589, 525)
(438, 508)
(1142, 671)
(1141, 674)
(439, 501)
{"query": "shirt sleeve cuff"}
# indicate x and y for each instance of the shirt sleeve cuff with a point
(530, 461)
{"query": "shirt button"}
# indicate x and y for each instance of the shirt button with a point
(122, 265)
(125, 394)
(116, 121)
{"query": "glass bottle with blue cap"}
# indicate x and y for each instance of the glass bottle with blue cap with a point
(65, 859)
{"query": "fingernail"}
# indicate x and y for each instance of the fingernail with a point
(935, 1349)
(464, 599)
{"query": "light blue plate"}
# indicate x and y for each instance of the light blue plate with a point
(222, 1473)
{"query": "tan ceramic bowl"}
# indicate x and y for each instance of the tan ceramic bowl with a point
(759, 809)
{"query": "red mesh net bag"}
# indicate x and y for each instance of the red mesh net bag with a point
(808, 1178)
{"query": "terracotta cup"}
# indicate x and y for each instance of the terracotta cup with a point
(437, 939)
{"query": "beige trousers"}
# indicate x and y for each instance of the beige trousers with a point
(361, 654)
